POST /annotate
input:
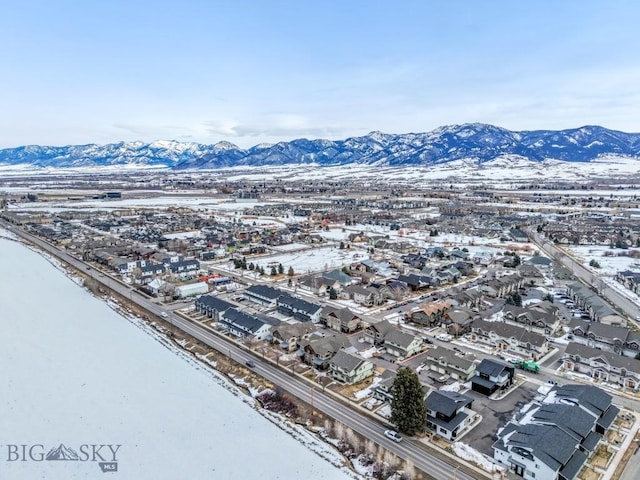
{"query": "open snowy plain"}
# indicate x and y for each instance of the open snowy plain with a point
(93, 391)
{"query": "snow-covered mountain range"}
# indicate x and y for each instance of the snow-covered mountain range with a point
(479, 142)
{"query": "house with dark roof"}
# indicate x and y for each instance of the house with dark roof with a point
(538, 317)
(241, 324)
(383, 390)
(608, 337)
(492, 375)
(318, 284)
(263, 295)
(589, 398)
(536, 451)
(348, 368)
(340, 319)
(395, 341)
(288, 335)
(318, 351)
(448, 413)
(299, 309)
(602, 365)
(510, 338)
(553, 437)
(446, 362)
(374, 333)
(429, 313)
(401, 344)
(212, 306)
(363, 295)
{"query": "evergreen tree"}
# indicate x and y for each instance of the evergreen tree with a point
(516, 260)
(280, 269)
(291, 273)
(273, 271)
(333, 295)
(408, 409)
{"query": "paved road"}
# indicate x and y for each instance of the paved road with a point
(424, 460)
(628, 307)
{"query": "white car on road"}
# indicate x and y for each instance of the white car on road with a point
(393, 435)
(163, 314)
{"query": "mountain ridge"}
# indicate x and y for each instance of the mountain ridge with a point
(476, 141)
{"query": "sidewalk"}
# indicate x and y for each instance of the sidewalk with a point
(623, 448)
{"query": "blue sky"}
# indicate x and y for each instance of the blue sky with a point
(251, 71)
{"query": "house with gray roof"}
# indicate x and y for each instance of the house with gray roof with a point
(212, 306)
(288, 335)
(340, 319)
(492, 375)
(348, 368)
(447, 362)
(383, 390)
(374, 333)
(263, 295)
(318, 351)
(510, 338)
(602, 365)
(402, 345)
(448, 413)
(553, 437)
(298, 308)
(242, 324)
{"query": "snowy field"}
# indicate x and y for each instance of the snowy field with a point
(609, 265)
(307, 261)
(77, 373)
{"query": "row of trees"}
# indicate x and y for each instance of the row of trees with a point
(241, 263)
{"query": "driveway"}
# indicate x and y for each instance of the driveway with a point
(495, 414)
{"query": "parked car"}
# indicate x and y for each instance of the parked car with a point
(163, 314)
(393, 435)
(250, 363)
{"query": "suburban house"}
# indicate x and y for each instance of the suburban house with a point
(402, 345)
(318, 351)
(212, 306)
(447, 362)
(243, 325)
(263, 295)
(374, 333)
(429, 313)
(396, 342)
(537, 317)
(503, 286)
(340, 319)
(492, 375)
(448, 413)
(319, 285)
(629, 279)
(610, 337)
(349, 368)
(288, 335)
(510, 338)
(459, 321)
(531, 275)
(602, 365)
(594, 305)
(470, 298)
(555, 436)
(383, 390)
(362, 295)
(299, 309)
